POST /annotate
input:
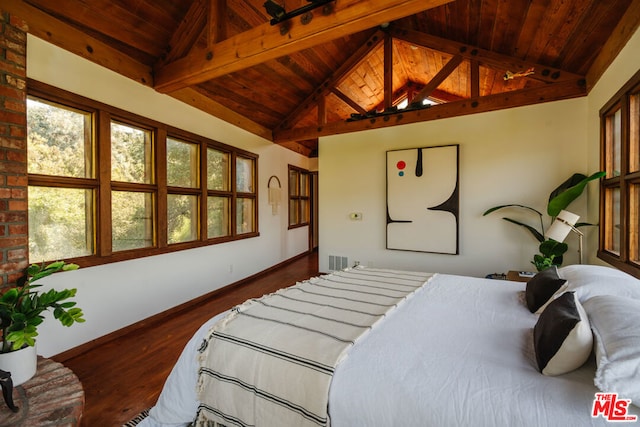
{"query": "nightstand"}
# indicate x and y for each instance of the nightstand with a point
(516, 277)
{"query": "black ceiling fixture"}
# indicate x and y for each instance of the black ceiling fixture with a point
(279, 14)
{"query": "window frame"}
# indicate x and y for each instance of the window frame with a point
(627, 180)
(303, 209)
(101, 183)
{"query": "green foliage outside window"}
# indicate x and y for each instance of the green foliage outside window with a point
(67, 198)
(59, 140)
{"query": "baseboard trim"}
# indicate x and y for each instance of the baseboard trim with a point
(163, 316)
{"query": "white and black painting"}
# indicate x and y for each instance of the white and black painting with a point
(423, 199)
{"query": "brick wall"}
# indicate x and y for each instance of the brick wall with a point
(14, 237)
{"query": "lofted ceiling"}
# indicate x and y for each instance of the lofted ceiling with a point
(348, 64)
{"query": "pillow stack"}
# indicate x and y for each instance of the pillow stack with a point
(587, 307)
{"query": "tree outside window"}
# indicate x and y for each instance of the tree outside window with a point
(159, 189)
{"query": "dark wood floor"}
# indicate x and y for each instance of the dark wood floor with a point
(125, 376)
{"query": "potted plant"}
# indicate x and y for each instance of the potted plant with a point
(551, 252)
(21, 311)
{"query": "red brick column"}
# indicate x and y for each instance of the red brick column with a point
(14, 235)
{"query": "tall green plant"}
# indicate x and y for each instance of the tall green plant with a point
(551, 252)
(21, 307)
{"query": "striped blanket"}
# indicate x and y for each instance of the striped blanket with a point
(271, 360)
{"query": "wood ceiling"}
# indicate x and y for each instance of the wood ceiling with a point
(346, 66)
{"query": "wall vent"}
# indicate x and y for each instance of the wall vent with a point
(338, 262)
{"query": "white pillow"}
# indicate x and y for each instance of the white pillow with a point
(562, 336)
(616, 328)
(591, 280)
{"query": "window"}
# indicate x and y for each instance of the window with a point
(298, 197)
(62, 182)
(106, 185)
(183, 190)
(246, 195)
(133, 194)
(620, 188)
(218, 193)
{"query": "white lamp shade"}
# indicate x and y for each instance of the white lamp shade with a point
(562, 226)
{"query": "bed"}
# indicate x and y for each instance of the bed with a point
(462, 351)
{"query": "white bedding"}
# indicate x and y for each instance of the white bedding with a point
(458, 353)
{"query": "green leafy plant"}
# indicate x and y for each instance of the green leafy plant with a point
(551, 252)
(21, 307)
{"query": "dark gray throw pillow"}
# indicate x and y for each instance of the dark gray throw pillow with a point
(562, 336)
(541, 287)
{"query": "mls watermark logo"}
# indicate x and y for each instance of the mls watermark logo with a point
(611, 408)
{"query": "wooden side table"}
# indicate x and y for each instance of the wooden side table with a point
(53, 397)
(516, 277)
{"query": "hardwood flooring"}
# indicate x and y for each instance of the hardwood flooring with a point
(125, 376)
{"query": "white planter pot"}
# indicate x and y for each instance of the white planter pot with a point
(21, 363)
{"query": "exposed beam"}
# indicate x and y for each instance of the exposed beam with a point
(46, 27)
(518, 98)
(188, 32)
(322, 111)
(216, 23)
(350, 102)
(266, 42)
(619, 37)
(485, 57)
(334, 80)
(201, 101)
(388, 71)
(474, 78)
(298, 147)
(444, 72)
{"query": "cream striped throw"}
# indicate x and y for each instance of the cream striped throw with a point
(271, 360)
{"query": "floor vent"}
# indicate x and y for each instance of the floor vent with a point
(338, 262)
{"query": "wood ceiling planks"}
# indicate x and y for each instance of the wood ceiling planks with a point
(282, 92)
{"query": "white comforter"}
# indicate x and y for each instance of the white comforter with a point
(458, 353)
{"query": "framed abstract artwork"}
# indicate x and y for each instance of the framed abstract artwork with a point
(423, 199)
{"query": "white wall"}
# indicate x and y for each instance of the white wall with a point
(626, 64)
(116, 295)
(512, 156)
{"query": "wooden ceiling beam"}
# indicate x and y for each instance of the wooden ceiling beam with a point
(266, 42)
(298, 147)
(518, 98)
(625, 29)
(388, 71)
(188, 32)
(334, 80)
(350, 102)
(444, 72)
(474, 78)
(200, 100)
(216, 22)
(487, 58)
(52, 30)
